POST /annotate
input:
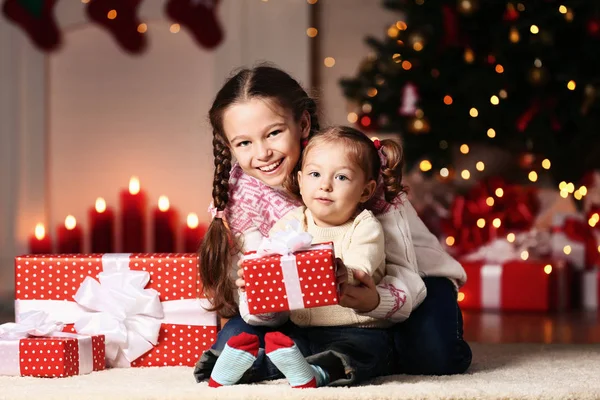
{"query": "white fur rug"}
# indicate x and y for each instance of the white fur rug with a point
(499, 371)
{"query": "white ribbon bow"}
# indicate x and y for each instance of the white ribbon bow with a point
(32, 323)
(285, 242)
(120, 308)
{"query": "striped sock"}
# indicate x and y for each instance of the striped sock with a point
(287, 357)
(237, 356)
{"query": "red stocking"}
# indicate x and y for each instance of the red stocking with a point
(124, 26)
(36, 17)
(199, 17)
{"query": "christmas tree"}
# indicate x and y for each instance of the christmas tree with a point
(520, 75)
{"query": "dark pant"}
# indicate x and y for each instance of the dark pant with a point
(430, 341)
(350, 355)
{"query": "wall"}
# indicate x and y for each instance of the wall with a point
(77, 123)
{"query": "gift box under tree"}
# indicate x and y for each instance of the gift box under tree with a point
(150, 307)
(37, 347)
(288, 273)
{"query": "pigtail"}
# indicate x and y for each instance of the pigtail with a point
(216, 249)
(290, 184)
(391, 169)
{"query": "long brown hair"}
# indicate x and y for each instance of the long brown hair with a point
(363, 152)
(263, 82)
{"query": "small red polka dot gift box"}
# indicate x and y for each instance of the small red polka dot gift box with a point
(150, 307)
(303, 278)
(38, 348)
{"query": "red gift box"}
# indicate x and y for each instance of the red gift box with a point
(151, 307)
(55, 356)
(590, 289)
(515, 285)
(304, 279)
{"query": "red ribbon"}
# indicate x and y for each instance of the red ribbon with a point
(516, 210)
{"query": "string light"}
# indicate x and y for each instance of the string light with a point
(112, 14)
(577, 195)
(496, 222)
(511, 237)
(480, 166)
(460, 297)
(534, 29)
(494, 100)
(490, 201)
(447, 99)
(406, 65)
(546, 164)
(175, 28)
(491, 133)
(514, 35)
(481, 223)
(533, 176)
(465, 174)
(562, 9)
(142, 28)
(499, 192)
(567, 249)
(570, 187)
(393, 31)
(329, 62)
(450, 240)
(311, 2)
(548, 269)
(352, 117)
(571, 85)
(425, 165)
(583, 190)
(372, 92)
(503, 94)
(464, 148)
(473, 112)
(312, 32)
(397, 58)
(499, 68)
(444, 172)
(70, 222)
(524, 255)
(469, 56)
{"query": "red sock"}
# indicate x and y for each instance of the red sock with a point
(124, 27)
(238, 355)
(37, 19)
(287, 357)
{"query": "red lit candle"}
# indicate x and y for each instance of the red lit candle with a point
(193, 233)
(69, 236)
(133, 218)
(40, 243)
(102, 227)
(165, 219)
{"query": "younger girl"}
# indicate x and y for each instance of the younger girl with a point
(261, 116)
(340, 169)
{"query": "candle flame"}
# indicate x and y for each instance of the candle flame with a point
(134, 185)
(40, 231)
(163, 203)
(70, 222)
(192, 220)
(100, 205)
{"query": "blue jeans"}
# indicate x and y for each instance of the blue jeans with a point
(430, 341)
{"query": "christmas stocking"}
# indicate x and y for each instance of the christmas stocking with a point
(120, 18)
(199, 17)
(36, 17)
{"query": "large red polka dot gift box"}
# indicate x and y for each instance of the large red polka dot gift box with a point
(38, 347)
(150, 307)
(288, 273)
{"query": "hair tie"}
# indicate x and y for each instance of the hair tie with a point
(216, 213)
(377, 144)
(304, 143)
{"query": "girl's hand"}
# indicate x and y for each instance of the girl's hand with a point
(240, 282)
(364, 297)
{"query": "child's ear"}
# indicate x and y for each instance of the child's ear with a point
(300, 181)
(368, 190)
(305, 124)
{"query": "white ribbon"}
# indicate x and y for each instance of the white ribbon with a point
(119, 307)
(589, 288)
(38, 324)
(286, 243)
(491, 287)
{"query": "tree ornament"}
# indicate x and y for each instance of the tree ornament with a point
(418, 125)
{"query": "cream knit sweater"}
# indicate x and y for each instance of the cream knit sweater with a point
(360, 244)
